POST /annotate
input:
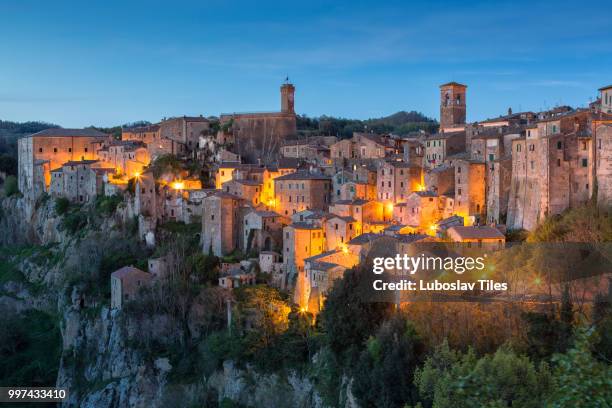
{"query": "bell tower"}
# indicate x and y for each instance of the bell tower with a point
(287, 94)
(452, 105)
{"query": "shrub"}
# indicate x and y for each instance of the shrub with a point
(10, 186)
(61, 205)
(107, 205)
(74, 221)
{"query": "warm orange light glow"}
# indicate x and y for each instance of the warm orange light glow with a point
(178, 185)
(433, 227)
(302, 310)
(344, 248)
(390, 207)
(137, 174)
(420, 187)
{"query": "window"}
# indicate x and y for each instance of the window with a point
(85, 150)
(70, 150)
(459, 191)
(55, 150)
(585, 162)
(558, 162)
(559, 145)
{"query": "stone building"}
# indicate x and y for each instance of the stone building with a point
(606, 99)
(48, 150)
(301, 190)
(363, 211)
(339, 230)
(260, 135)
(440, 179)
(146, 134)
(184, 130)
(470, 189)
(126, 284)
(221, 223)
(423, 211)
(363, 146)
(263, 230)
(396, 179)
(441, 145)
(249, 190)
(452, 106)
(300, 241)
(553, 168)
(79, 181)
(477, 236)
(603, 151)
(128, 157)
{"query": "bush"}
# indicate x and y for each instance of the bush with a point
(504, 379)
(30, 348)
(74, 221)
(61, 205)
(10, 186)
(107, 205)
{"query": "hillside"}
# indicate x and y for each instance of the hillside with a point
(9, 133)
(399, 123)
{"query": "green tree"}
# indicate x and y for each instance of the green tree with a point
(384, 374)
(581, 380)
(10, 186)
(504, 379)
(348, 318)
(61, 205)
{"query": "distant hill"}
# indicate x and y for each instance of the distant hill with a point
(399, 123)
(9, 133)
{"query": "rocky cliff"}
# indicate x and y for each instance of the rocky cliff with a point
(125, 358)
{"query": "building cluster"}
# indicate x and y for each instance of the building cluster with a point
(308, 208)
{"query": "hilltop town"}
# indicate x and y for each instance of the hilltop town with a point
(306, 209)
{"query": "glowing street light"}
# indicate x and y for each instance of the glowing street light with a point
(178, 185)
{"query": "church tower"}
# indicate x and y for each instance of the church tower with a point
(452, 105)
(287, 92)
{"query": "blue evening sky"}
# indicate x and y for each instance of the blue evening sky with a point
(110, 62)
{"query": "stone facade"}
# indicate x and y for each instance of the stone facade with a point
(301, 190)
(470, 195)
(221, 223)
(439, 146)
(48, 150)
(79, 181)
(452, 105)
(259, 136)
(603, 152)
(396, 179)
(185, 130)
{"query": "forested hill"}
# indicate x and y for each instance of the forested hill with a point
(399, 123)
(9, 133)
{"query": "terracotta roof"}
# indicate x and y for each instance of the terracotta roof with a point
(303, 175)
(478, 232)
(364, 238)
(453, 83)
(343, 218)
(603, 88)
(131, 272)
(304, 226)
(77, 162)
(59, 132)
